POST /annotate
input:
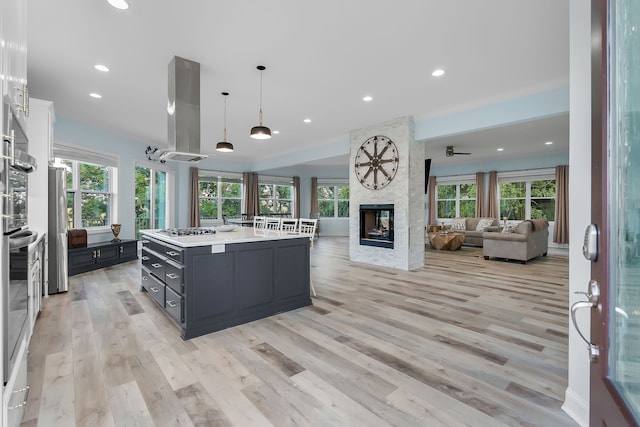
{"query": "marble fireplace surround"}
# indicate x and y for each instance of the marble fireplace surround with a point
(405, 192)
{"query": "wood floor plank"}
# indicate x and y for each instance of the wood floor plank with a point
(92, 409)
(128, 406)
(348, 410)
(462, 341)
(200, 406)
(58, 392)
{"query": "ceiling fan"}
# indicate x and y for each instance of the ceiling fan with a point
(450, 153)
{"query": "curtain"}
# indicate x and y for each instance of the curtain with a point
(314, 197)
(433, 209)
(494, 209)
(251, 193)
(480, 205)
(194, 197)
(296, 190)
(561, 228)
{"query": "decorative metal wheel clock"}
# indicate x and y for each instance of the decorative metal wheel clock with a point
(376, 162)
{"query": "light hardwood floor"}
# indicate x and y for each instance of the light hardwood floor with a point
(460, 342)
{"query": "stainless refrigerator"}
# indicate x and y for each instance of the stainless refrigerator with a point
(58, 277)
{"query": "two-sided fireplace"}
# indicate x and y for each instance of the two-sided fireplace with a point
(376, 225)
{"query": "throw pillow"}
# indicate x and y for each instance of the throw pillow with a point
(484, 223)
(458, 224)
(509, 228)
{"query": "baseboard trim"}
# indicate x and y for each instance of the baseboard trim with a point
(576, 408)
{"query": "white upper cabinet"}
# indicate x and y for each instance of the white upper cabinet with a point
(14, 56)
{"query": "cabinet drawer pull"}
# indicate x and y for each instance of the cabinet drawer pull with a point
(145, 258)
(172, 304)
(173, 253)
(145, 279)
(21, 390)
(144, 242)
(156, 265)
(121, 249)
(19, 405)
(172, 276)
(154, 289)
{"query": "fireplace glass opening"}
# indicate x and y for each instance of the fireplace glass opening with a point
(376, 225)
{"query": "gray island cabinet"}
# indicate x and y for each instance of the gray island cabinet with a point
(206, 283)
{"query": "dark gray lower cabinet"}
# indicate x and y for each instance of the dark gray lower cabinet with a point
(99, 255)
(208, 291)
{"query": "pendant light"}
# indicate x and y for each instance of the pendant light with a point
(224, 146)
(260, 132)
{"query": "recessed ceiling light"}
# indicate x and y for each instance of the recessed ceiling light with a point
(501, 149)
(548, 143)
(275, 132)
(307, 120)
(437, 73)
(119, 4)
(95, 95)
(367, 98)
(101, 67)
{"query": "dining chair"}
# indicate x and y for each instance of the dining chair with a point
(259, 222)
(272, 223)
(289, 224)
(307, 227)
(316, 215)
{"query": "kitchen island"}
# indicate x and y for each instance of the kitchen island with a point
(210, 281)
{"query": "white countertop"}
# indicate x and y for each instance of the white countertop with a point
(238, 235)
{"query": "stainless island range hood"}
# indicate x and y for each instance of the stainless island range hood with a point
(183, 110)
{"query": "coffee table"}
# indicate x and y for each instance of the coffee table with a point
(446, 241)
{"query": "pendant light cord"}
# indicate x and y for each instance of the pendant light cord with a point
(260, 118)
(225, 118)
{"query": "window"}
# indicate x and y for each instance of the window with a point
(276, 195)
(152, 206)
(276, 198)
(527, 197)
(456, 200)
(89, 194)
(333, 201)
(220, 194)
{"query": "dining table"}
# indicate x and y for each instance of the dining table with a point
(241, 222)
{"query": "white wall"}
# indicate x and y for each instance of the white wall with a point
(577, 394)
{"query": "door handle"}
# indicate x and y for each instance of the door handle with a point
(593, 295)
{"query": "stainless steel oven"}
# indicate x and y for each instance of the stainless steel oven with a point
(16, 313)
(15, 165)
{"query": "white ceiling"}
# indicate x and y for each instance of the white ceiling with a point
(321, 57)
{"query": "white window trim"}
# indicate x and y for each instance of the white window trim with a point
(77, 196)
(334, 183)
(526, 176)
(457, 181)
(65, 150)
(221, 177)
(235, 176)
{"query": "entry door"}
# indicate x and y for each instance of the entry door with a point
(615, 210)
